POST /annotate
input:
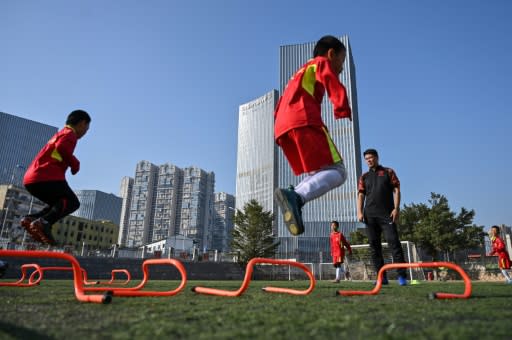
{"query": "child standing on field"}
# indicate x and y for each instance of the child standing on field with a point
(45, 178)
(303, 136)
(499, 249)
(338, 245)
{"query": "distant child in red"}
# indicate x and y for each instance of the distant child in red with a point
(498, 248)
(338, 245)
(303, 136)
(45, 178)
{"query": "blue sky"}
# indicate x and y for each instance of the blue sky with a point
(163, 81)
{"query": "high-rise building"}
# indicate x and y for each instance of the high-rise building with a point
(256, 176)
(140, 224)
(97, 205)
(125, 192)
(196, 208)
(168, 187)
(339, 204)
(224, 210)
(166, 201)
(20, 141)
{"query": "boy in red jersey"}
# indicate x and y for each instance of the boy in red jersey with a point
(499, 249)
(303, 136)
(338, 245)
(45, 178)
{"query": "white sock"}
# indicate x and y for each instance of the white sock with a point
(319, 183)
(505, 273)
(338, 273)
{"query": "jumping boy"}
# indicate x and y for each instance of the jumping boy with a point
(45, 178)
(303, 136)
(499, 249)
(338, 245)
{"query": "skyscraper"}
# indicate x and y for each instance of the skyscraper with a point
(339, 204)
(97, 205)
(126, 194)
(196, 208)
(224, 210)
(140, 223)
(256, 168)
(20, 141)
(166, 201)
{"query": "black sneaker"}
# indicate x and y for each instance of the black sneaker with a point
(291, 207)
(42, 230)
(3, 267)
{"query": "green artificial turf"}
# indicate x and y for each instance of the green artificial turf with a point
(51, 311)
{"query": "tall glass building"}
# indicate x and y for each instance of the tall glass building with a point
(256, 168)
(97, 205)
(339, 204)
(20, 141)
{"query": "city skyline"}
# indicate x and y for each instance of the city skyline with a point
(164, 81)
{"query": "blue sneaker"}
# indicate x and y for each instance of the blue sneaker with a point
(402, 281)
(291, 207)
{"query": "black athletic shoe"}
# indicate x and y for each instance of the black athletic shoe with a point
(291, 207)
(3, 267)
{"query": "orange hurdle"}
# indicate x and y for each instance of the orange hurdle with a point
(376, 289)
(77, 273)
(136, 291)
(114, 271)
(31, 282)
(248, 275)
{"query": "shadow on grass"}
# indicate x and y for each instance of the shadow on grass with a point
(18, 332)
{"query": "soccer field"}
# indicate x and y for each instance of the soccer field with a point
(50, 311)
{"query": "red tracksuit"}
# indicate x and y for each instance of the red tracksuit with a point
(298, 126)
(338, 244)
(55, 157)
(498, 248)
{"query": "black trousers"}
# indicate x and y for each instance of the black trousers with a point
(375, 226)
(59, 197)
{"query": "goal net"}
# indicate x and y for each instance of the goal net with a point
(360, 267)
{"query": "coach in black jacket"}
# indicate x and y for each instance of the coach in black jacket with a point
(379, 193)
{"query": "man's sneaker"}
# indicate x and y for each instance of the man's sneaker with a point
(43, 230)
(3, 267)
(402, 281)
(291, 207)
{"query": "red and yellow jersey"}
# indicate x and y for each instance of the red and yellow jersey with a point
(55, 157)
(300, 104)
(338, 245)
(498, 248)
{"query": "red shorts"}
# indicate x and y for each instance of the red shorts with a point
(337, 259)
(309, 149)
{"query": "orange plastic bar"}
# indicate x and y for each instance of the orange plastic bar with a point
(77, 274)
(376, 289)
(31, 282)
(137, 291)
(114, 271)
(248, 275)
(42, 270)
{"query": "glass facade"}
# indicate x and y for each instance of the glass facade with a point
(97, 205)
(256, 157)
(20, 141)
(339, 204)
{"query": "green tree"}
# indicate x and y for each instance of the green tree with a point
(438, 230)
(252, 234)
